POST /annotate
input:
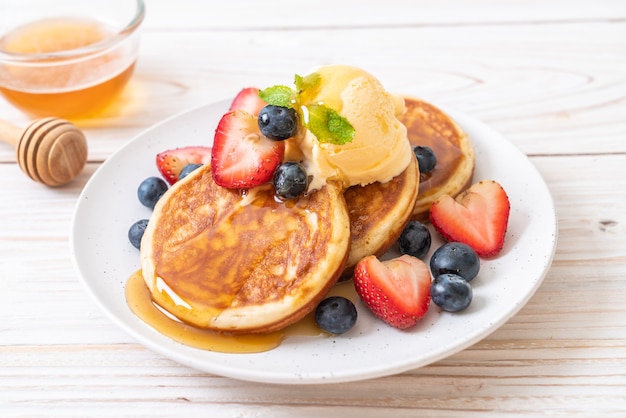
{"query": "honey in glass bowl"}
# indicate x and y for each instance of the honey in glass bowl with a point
(67, 67)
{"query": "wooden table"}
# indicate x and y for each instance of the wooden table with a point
(549, 75)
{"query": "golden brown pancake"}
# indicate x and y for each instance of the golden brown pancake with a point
(379, 212)
(220, 261)
(429, 126)
(236, 264)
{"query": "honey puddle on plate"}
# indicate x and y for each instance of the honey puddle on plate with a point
(140, 302)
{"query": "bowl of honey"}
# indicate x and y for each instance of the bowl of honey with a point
(68, 58)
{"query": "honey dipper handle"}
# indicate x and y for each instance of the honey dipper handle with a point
(9, 133)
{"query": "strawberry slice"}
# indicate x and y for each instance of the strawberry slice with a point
(396, 291)
(248, 99)
(171, 162)
(242, 157)
(478, 217)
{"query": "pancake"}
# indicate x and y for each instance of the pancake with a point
(379, 212)
(429, 126)
(220, 261)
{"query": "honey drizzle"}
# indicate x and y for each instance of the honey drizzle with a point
(432, 130)
(140, 302)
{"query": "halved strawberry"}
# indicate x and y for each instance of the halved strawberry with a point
(397, 290)
(171, 162)
(478, 217)
(242, 157)
(248, 99)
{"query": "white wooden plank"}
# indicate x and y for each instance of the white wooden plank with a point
(551, 76)
(285, 15)
(529, 91)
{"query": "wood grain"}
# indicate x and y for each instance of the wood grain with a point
(551, 76)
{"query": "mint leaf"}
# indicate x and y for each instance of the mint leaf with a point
(307, 82)
(278, 96)
(328, 126)
(325, 123)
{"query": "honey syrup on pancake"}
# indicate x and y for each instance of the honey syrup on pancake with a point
(140, 302)
(207, 240)
(431, 130)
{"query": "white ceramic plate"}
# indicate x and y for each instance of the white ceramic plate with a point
(105, 259)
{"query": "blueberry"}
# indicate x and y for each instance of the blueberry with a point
(335, 314)
(451, 292)
(426, 159)
(150, 191)
(135, 233)
(278, 123)
(187, 170)
(290, 180)
(415, 239)
(457, 258)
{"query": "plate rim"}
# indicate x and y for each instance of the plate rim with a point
(289, 377)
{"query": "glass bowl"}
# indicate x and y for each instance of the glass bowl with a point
(68, 58)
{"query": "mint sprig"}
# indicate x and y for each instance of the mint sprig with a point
(325, 123)
(307, 82)
(328, 126)
(282, 96)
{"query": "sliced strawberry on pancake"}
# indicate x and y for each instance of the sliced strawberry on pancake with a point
(242, 157)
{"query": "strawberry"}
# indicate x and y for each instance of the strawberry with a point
(478, 217)
(248, 99)
(242, 157)
(171, 162)
(397, 290)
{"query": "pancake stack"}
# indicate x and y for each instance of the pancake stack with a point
(242, 261)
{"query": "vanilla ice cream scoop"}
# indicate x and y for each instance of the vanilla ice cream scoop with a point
(379, 150)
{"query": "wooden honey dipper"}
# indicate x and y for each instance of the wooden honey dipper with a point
(51, 151)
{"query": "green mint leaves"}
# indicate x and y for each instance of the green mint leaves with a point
(307, 82)
(325, 123)
(282, 96)
(328, 126)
